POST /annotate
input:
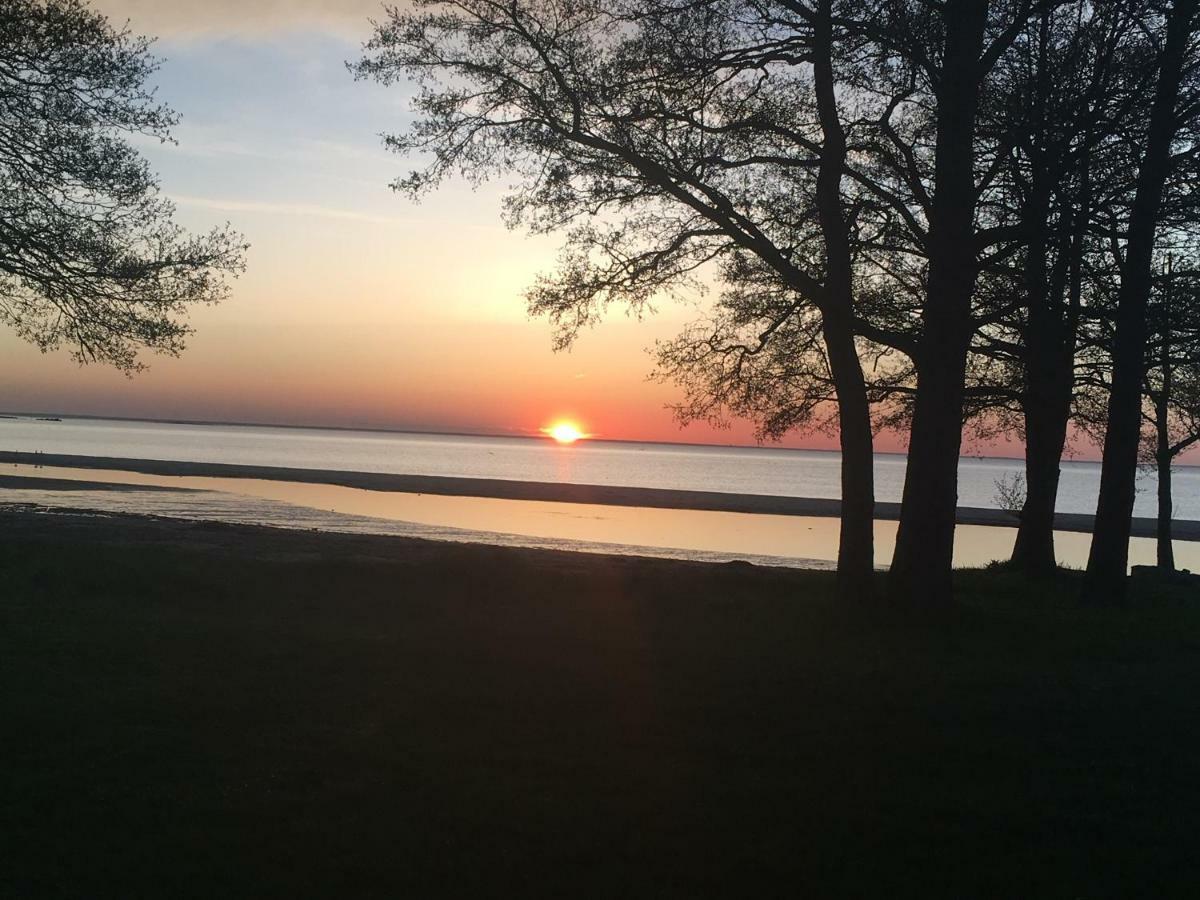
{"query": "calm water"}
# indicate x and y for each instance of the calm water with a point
(686, 534)
(797, 473)
(678, 533)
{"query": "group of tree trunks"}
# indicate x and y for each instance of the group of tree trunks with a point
(970, 215)
(937, 217)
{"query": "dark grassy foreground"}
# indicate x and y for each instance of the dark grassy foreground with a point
(218, 712)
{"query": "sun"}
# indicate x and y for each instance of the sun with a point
(564, 432)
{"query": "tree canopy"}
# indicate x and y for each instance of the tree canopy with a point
(90, 254)
(909, 208)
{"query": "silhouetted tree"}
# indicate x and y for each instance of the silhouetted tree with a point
(1071, 96)
(942, 164)
(927, 188)
(1069, 100)
(678, 135)
(89, 254)
(1172, 387)
(1176, 74)
(668, 140)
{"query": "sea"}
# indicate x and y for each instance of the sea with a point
(689, 534)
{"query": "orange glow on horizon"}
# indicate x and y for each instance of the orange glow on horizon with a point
(565, 432)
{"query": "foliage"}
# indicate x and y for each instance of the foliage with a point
(1011, 493)
(676, 146)
(90, 255)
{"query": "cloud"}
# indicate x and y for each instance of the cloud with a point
(286, 209)
(216, 18)
(216, 141)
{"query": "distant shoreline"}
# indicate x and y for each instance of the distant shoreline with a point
(525, 436)
(604, 495)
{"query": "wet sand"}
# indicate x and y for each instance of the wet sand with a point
(23, 482)
(557, 492)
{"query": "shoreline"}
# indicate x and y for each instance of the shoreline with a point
(604, 495)
(79, 526)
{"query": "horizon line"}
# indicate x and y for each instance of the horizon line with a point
(376, 429)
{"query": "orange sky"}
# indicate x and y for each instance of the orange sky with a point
(358, 308)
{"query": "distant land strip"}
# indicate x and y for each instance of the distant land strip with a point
(603, 495)
(26, 483)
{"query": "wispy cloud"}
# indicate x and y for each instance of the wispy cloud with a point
(308, 210)
(216, 142)
(187, 18)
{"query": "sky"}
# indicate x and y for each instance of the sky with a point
(358, 307)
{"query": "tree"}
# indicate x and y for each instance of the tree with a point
(921, 186)
(1176, 71)
(1070, 96)
(89, 254)
(944, 168)
(1070, 88)
(668, 141)
(1171, 387)
(1171, 410)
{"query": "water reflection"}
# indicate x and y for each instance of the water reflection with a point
(790, 539)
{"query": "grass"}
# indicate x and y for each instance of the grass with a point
(219, 712)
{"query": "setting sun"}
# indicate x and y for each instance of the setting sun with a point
(564, 432)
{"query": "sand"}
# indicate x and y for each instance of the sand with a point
(564, 493)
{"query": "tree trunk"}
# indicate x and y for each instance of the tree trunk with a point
(1045, 437)
(1108, 562)
(1050, 336)
(1163, 454)
(1166, 550)
(1034, 547)
(922, 566)
(856, 546)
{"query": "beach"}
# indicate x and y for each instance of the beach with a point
(552, 449)
(556, 492)
(195, 709)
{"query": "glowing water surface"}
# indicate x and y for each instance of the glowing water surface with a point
(736, 470)
(688, 534)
